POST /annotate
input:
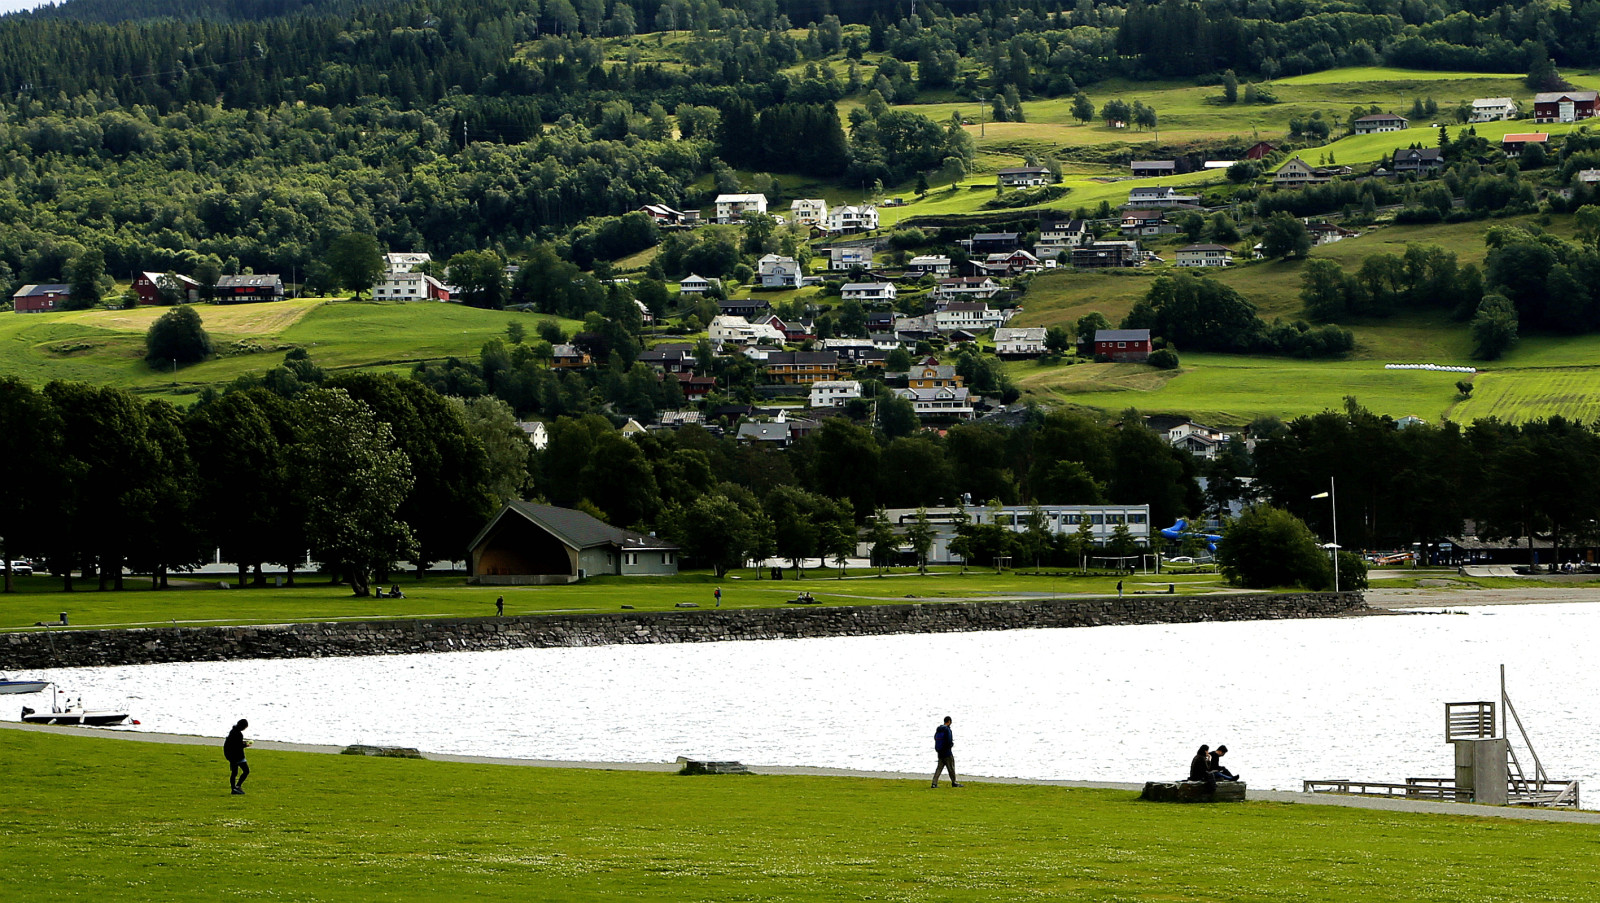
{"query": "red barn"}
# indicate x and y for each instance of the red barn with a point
(1260, 150)
(148, 286)
(1122, 345)
(34, 299)
(1563, 106)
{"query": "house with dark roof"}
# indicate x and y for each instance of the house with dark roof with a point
(1564, 106)
(34, 299)
(1416, 161)
(1151, 168)
(531, 544)
(243, 289)
(1382, 122)
(1024, 177)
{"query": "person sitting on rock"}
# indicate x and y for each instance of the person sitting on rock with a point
(1217, 770)
(1200, 768)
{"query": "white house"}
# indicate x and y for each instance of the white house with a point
(1103, 521)
(777, 271)
(1204, 256)
(869, 291)
(1056, 236)
(849, 258)
(731, 330)
(1197, 439)
(929, 264)
(731, 207)
(409, 286)
(538, 436)
(694, 285)
(1019, 341)
(1589, 176)
(980, 287)
(833, 393)
(1024, 177)
(404, 262)
(944, 401)
(1382, 122)
(1159, 196)
(972, 316)
(853, 219)
(1493, 109)
(809, 211)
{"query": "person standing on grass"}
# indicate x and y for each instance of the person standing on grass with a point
(718, 596)
(944, 742)
(233, 750)
(1119, 589)
(500, 606)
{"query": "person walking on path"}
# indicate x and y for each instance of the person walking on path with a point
(1119, 589)
(500, 606)
(944, 741)
(233, 750)
(718, 595)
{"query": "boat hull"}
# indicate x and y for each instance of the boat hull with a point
(8, 687)
(92, 719)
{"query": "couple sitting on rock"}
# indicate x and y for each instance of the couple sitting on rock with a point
(1206, 766)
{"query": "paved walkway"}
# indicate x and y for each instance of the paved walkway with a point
(1274, 796)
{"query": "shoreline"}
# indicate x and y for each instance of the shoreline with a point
(1382, 599)
(1427, 807)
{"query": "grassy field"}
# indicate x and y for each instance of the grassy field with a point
(1541, 376)
(107, 347)
(314, 599)
(103, 819)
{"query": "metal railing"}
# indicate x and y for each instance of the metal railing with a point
(1520, 792)
(1469, 721)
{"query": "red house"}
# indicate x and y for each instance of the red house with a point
(1563, 106)
(35, 299)
(1122, 345)
(148, 286)
(695, 388)
(1260, 150)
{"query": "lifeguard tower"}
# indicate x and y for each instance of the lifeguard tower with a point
(1487, 768)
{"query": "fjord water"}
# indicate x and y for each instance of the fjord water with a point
(1359, 698)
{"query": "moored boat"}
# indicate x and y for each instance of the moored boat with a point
(8, 686)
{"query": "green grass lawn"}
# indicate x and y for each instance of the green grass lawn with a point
(314, 599)
(103, 819)
(107, 347)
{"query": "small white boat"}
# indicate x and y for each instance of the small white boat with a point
(8, 686)
(72, 712)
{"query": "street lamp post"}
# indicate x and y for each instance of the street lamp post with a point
(1333, 505)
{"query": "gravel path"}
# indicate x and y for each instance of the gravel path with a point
(1275, 796)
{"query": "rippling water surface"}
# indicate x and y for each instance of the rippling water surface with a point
(1357, 698)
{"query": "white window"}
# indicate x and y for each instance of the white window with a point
(631, 558)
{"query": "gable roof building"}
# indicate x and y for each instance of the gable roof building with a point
(532, 544)
(1382, 122)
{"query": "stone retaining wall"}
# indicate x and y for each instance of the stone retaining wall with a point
(55, 648)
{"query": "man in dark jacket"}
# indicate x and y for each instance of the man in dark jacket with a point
(944, 741)
(233, 751)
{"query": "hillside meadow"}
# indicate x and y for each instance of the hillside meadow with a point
(106, 347)
(106, 819)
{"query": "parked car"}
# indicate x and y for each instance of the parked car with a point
(22, 569)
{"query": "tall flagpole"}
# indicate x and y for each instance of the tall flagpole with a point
(1333, 501)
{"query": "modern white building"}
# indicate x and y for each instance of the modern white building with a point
(732, 207)
(833, 393)
(405, 262)
(694, 285)
(409, 286)
(1103, 521)
(1493, 109)
(731, 330)
(777, 271)
(849, 258)
(1382, 122)
(973, 316)
(869, 291)
(943, 401)
(1204, 256)
(1019, 341)
(853, 219)
(809, 211)
(1159, 196)
(966, 288)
